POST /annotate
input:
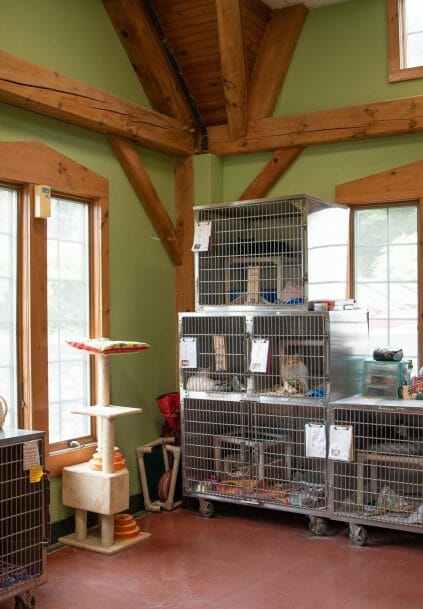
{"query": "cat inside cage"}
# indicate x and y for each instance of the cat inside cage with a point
(298, 360)
(293, 374)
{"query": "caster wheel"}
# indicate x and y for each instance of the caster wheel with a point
(318, 526)
(206, 508)
(358, 536)
(28, 603)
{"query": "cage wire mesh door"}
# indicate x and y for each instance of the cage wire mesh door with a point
(256, 251)
(254, 453)
(382, 484)
(23, 518)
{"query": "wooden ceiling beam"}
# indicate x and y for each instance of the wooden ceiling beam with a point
(391, 117)
(184, 219)
(274, 59)
(233, 65)
(148, 57)
(270, 173)
(148, 196)
(46, 92)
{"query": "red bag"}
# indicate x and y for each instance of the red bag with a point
(170, 407)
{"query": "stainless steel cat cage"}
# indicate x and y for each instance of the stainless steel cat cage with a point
(382, 483)
(252, 453)
(280, 251)
(244, 430)
(257, 367)
(23, 517)
(309, 355)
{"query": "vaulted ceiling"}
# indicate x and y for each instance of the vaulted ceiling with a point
(209, 62)
(213, 71)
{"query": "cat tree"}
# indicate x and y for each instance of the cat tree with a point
(104, 492)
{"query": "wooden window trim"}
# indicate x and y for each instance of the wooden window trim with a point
(23, 164)
(397, 186)
(396, 44)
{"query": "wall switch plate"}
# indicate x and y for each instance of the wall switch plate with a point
(42, 196)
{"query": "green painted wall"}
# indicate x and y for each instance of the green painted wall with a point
(340, 60)
(76, 38)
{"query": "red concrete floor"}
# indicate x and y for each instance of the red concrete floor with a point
(241, 559)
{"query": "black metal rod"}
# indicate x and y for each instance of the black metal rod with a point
(179, 75)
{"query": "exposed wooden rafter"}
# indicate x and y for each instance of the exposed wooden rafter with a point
(274, 59)
(184, 219)
(148, 196)
(391, 117)
(148, 57)
(233, 65)
(270, 173)
(46, 92)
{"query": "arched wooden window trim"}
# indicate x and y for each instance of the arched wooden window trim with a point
(399, 185)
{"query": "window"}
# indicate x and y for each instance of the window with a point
(386, 274)
(413, 33)
(68, 302)
(53, 285)
(8, 300)
(405, 38)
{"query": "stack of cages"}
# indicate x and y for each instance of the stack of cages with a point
(257, 367)
(382, 482)
(24, 519)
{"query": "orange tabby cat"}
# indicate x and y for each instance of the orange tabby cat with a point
(294, 373)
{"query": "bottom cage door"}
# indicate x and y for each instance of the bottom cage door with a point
(383, 482)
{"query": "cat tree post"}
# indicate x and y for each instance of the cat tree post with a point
(106, 435)
(104, 488)
(102, 372)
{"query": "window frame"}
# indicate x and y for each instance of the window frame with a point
(22, 165)
(401, 185)
(396, 44)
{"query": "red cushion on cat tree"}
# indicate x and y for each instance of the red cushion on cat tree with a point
(106, 346)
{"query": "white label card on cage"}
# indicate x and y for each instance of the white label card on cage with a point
(341, 446)
(188, 352)
(31, 454)
(315, 440)
(202, 237)
(259, 355)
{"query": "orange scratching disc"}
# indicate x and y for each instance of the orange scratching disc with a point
(96, 461)
(125, 527)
